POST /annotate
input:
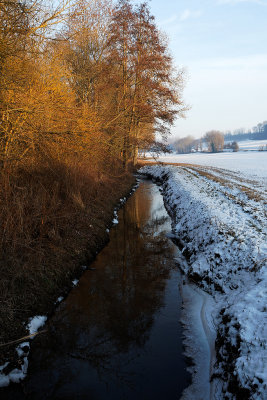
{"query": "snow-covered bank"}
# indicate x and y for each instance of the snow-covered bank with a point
(200, 334)
(220, 224)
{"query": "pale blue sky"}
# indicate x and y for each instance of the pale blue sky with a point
(223, 45)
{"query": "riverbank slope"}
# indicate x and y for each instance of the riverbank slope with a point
(54, 221)
(219, 222)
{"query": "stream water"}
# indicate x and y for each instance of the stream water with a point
(117, 335)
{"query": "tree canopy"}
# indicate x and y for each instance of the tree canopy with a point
(102, 83)
(215, 141)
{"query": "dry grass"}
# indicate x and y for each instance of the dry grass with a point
(53, 217)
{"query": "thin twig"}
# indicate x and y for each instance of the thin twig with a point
(23, 338)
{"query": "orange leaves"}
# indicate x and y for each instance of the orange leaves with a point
(100, 86)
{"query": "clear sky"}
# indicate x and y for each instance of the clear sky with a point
(223, 45)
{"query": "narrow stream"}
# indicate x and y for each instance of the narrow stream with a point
(118, 335)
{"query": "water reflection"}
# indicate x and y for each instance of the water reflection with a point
(117, 336)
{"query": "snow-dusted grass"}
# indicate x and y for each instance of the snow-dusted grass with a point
(249, 163)
(220, 222)
(16, 375)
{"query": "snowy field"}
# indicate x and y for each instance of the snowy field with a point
(250, 163)
(251, 145)
(219, 222)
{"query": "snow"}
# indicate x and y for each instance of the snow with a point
(75, 282)
(250, 163)
(115, 219)
(4, 379)
(198, 308)
(22, 348)
(250, 145)
(18, 374)
(35, 323)
(59, 299)
(219, 221)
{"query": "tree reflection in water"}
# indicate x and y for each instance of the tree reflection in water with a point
(108, 340)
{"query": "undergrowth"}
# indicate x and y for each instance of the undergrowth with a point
(53, 217)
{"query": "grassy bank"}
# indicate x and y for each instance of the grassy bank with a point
(53, 220)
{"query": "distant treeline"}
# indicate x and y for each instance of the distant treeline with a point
(214, 141)
(259, 132)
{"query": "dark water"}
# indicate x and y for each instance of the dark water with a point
(117, 335)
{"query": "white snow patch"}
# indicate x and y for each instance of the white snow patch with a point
(17, 374)
(197, 318)
(21, 349)
(35, 323)
(75, 282)
(59, 299)
(115, 219)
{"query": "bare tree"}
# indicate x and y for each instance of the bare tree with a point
(184, 145)
(215, 141)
